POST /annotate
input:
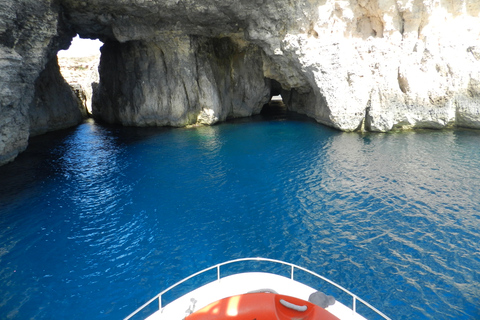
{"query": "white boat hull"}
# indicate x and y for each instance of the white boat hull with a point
(243, 283)
(246, 282)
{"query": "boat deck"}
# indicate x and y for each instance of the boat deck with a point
(240, 284)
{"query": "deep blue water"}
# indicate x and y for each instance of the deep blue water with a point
(96, 220)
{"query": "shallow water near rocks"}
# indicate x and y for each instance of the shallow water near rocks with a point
(96, 220)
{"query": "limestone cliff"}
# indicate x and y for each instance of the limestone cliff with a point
(31, 32)
(179, 81)
(55, 106)
(81, 73)
(371, 65)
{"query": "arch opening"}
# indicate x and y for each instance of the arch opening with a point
(275, 105)
(79, 67)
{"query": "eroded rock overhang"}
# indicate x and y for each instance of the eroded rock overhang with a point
(184, 62)
(353, 65)
(370, 65)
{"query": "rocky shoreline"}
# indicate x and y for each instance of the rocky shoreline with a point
(353, 65)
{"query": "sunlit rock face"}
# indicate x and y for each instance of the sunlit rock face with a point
(375, 65)
(81, 73)
(384, 65)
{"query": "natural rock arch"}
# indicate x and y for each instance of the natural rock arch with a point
(372, 65)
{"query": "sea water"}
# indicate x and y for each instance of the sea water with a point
(96, 220)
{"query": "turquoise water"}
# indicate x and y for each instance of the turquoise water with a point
(96, 220)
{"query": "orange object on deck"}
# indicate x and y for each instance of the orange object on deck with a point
(261, 306)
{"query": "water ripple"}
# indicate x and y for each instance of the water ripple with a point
(123, 213)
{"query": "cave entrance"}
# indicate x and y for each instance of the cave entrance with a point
(275, 106)
(79, 67)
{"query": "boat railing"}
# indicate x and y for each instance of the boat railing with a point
(292, 266)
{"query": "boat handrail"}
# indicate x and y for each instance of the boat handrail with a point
(292, 272)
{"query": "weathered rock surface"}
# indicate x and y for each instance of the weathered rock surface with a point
(179, 81)
(376, 65)
(55, 106)
(31, 32)
(81, 73)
